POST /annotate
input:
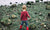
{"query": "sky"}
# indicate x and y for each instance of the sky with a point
(6, 2)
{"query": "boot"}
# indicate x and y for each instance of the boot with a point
(27, 28)
(20, 26)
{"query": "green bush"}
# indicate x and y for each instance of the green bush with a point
(37, 0)
(12, 6)
(48, 7)
(32, 26)
(28, 3)
(10, 2)
(49, 3)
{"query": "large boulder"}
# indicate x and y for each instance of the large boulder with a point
(6, 22)
(13, 16)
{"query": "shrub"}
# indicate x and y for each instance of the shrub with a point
(28, 3)
(48, 7)
(49, 3)
(32, 26)
(10, 2)
(45, 2)
(41, 0)
(16, 2)
(37, 0)
(12, 6)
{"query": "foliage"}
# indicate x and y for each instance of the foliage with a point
(48, 7)
(12, 6)
(38, 13)
(30, 2)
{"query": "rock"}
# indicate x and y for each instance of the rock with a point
(0, 28)
(37, 21)
(44, 25)
(28, 6)
(48, 7)
(40, 14)
(13, 16)
(8, 15)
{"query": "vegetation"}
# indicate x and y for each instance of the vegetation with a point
(10, 17)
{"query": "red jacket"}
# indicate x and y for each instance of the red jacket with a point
(24, 15)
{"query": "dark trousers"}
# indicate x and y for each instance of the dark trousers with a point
(26, 22)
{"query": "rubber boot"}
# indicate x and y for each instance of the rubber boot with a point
(20, 26)
(27, 28)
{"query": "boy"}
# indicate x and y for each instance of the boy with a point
(24, 15)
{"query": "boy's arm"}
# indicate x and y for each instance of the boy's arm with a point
(21, 15)
(28, 15)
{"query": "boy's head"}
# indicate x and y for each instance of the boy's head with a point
(24, 7)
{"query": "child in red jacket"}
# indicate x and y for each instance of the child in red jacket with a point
(24, 15)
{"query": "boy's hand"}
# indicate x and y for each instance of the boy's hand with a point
(29, 18)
